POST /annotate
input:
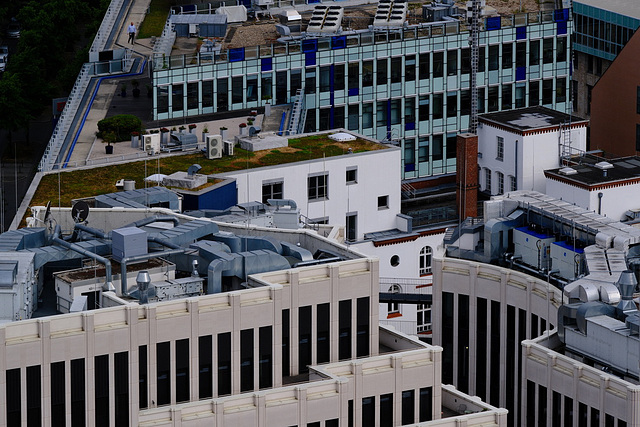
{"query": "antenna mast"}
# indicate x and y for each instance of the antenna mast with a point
(475, 53)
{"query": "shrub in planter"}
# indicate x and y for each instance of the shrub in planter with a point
(121, 125)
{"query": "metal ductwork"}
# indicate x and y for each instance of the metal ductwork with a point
(626, 284)
(289, 249)
(152, 219)
(590, 309)
(137, 258)
(143, 281)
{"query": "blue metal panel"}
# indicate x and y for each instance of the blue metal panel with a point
(189, 8)
(521, 73)
(246, 3)
(521, 33)
(338, 42)
(562, 27)
(220, 198)
(182, 30)
(309, 59)
(236, 55)
(409, 167)
(493, 23)
(266, 64)
(353, 92)
(561, 15)
(410, 126)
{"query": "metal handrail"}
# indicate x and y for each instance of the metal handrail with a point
(109, 19)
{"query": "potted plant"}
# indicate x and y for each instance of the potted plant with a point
(223, 132)
(135, 138)
(243, 128)
(205, 133)
(250, 121)
(109, 137)
(182, 128)
(267, 106)
(192, 128)
(136, 89)
(123, 89)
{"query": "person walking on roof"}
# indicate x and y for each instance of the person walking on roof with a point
(132, 33)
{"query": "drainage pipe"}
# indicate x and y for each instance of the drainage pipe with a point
(79, 249)
(136, 258)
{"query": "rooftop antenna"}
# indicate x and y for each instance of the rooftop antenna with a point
(80, 211)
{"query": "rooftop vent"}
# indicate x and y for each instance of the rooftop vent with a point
(627, 284)
(603, 165)
(567, 171)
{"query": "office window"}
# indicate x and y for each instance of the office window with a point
(437, 149)
(534, 52)
(272, 190)
(481, 100)
(547, 91)
(77, 393)
(362, 324)
(265, 340)
(58, 414)
(465, 102)
(325, 78)
(423, 108)
(507, 56)
(451, 146)
(368, 411)
(465, 61)
(34, 392)
(246, 360)
(13, 396)
(452, 62)
(367, 116)
(396, 69)
(237, 90)
(500, 177)
(205, 373)
(561, 49)
(224, 363)
(396, 117)
(547, 51)
(309, 80)
(142, 376)
(318, 187)
(344, 329)
(101, 371)
(353, 120)
(393, 307)
(426, 404)
(162, 95)
(381, 114)
(386, 410)
(513, 183)
(438, 64)
(351, 227)
(500, 149)
(383, 202)
(481, 348)
(561, 89)
(338, 77)
(182, 370)
(452, 104)
(408, 407)
(177, 100)
(425, 260)
(493, 98)
(495, 347)
(352, 175)
(381, 72)
(507, 96)
(487, 180)
(295, 82)
(494, 57)
(568, 411)
(207, 93)
(438, 100)
(222, 94)
(534, 93)
(304, 338)
(121, 374)
(423, 318)
(192, 95)
(265, 86)
(163, 371)
(423, 149)
(481, 60)
(409, 110)
(521, 54)
(367, 73)
(286, 358)
(409, 151)
(520, 94)
(252, 88)
(409, 68)
(447, 341)
(423, 66)
(335, 422)
(582, 414)
(322, 333)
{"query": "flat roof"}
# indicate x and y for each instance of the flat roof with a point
(622, 7)
(589, 174)
(529, 118)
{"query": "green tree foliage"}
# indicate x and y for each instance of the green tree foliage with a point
(15, 111)
(121, 125)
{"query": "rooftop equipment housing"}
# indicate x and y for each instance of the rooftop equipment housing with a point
(390, 13)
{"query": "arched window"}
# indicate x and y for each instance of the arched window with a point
(425, 260)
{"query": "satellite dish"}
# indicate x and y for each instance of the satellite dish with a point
(80, 211)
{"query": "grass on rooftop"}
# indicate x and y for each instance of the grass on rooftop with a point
(155, 20)
(101, 180)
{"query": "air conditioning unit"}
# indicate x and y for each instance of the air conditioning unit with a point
(214, 146)
(151, 143)
(228, 148)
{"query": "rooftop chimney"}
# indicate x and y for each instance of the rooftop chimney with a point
(467, 175)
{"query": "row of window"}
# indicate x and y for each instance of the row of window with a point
(562, 411)
(512, 182)
(601, 35)
(386, 405)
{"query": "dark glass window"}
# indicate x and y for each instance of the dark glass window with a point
(556, 409)
(534, 93)
(507, 56)
(496, 345)
(452, 104)
(192, 96)
(142, 376)
(163, 373)
(547, 91)
(222, 94)
(438, 64)
(265, 357)
(224, 363)
(481, 59)
(367, 116)
(381, 72)
(362, 322)
(465, 102)
(350, 414)
(493, 98)
(272, 190)
(286, 358)
(121, 374)
(561, 49)
(451, 146)
(338, 79)
(182, 370)
(344, 328)
(354, 117)
(318, 187)
(463, 332)
(207, 93)
(534, 52)
(310, 81)
(409, 110)
(521, 54)
(295, 82)
(438, 100)
(409, 68)
(77, 393)
(304, 338)
(13, 390)
(561, 89)
(409, 151)
(237, 90)
(426, 404)
(325, 78)
(205, 370)
(547, 51)
(101, 370)
(252, 88)
(58, 412)
(162, 94)
(266, 86)
(494, 57)
(354, 75)
(34, 393)
(323, 328)
(481, 346)
(408, 407)
(423, 108)
(246, 360)
(465, 60)
(452, 62)
(583, 417)
(396, 70)
(367, 73)
(177, 99)
(507, 96)
(512, 347)
(368, 411)
(447, 335)
(423, 66)
(386, 410)
(437, 152)
(531, 403)
(568, 411)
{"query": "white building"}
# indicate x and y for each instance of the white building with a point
(515, 147)
(604, 187)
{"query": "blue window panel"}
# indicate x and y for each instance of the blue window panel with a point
(562, 27)
(338, 42)
(310, 45)
(313, 1)
(561, 15)
(493, 23)
(246, 3)
(521, 73)
(409, 167)
(309, 58)
(521, 33)
(267, 64)
(410, 126)
(354, 92)
(236, 54)
(188, 8)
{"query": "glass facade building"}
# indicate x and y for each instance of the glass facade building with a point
(409, 85)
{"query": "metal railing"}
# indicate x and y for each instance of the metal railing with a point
(106, 27)
(420, 286)
(408, 191)
(296, 120)
(163, 45)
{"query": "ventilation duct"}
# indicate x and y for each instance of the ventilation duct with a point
(626, 284)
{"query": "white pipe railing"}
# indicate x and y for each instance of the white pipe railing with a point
(108, 21)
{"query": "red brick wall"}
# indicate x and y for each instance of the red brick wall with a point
(467, 175)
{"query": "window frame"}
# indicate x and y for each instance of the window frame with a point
(320, 190)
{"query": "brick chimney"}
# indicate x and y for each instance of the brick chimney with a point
(467, 175)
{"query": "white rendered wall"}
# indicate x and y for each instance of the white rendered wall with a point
(525, 157)
(378, 175)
